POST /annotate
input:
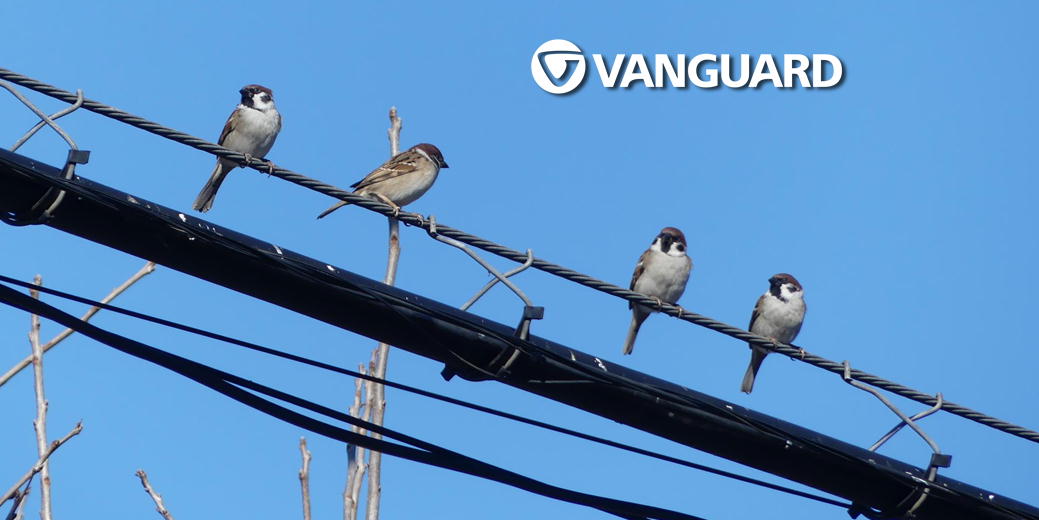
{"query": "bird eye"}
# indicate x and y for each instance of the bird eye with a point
(680, 247)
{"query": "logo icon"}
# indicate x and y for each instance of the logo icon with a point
(558, 66)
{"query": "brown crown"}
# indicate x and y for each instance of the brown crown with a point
(433, 152)
(784, 278)
(674, 233)
(254, 88)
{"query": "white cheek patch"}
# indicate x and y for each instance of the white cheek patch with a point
(674, 251)
(261, 101)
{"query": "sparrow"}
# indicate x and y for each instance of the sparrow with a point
(251, 130)
(402, 179)
(777, 315)
(661, 273)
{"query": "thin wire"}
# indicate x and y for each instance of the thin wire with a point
(417, 220)
(417, 391)
(244, 391)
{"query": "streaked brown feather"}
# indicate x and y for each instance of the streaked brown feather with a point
(402, 164)
(640, 268)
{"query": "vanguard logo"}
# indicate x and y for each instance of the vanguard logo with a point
(559, 67)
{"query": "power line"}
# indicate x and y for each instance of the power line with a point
(132, 224)
(418, 391)
(563, 272)
(241, 390)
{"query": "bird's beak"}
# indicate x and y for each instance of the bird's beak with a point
(444, 165)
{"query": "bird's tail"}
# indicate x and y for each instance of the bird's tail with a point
(636, 323)
(204, 201)
(756, 357)
(334, 207)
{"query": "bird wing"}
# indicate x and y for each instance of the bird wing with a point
(229, 126)
(640, 268)
(757, 312)
(402, 164)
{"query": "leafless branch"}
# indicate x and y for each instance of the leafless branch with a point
(361, 408)
(36, 468)
(19, 502)
(157, 498)
(40, 423)
(394, 132)
(304, 477)
(18, 367)
(378, 395)
(355, 455)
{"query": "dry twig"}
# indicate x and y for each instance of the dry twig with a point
(355, 454)
(378, 396)
(157, 498)
(36, 468)
(362, 409)
(304, 477)
(40, 423)
(18, 367)
(19, 502)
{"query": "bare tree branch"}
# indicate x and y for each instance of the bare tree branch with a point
(36, 468)
(40, 423)
(379, 391)
(361, 408)
(304, 477)
(355, 454)
(394, 132)
(18, 367)
(157, 498)
(19, 503)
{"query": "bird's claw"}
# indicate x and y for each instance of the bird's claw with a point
(421, 220)
(386, 200)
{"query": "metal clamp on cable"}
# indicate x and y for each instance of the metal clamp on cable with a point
(530, 311)
(907, 506)
(43, 209)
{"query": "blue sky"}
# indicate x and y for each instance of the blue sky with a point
(902, 200)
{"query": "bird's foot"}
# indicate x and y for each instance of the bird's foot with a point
(421, 220)
(385, 200)
(270, 167)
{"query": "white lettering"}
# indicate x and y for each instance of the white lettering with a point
(727, 71)
(676, 73)
(818, 67)
(765, 61)
(608, 80)
(637, 70)
(790, 70)
(712, 73)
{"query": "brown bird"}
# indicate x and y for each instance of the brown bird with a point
(402, 179)
(778, 314)
(251, 130)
